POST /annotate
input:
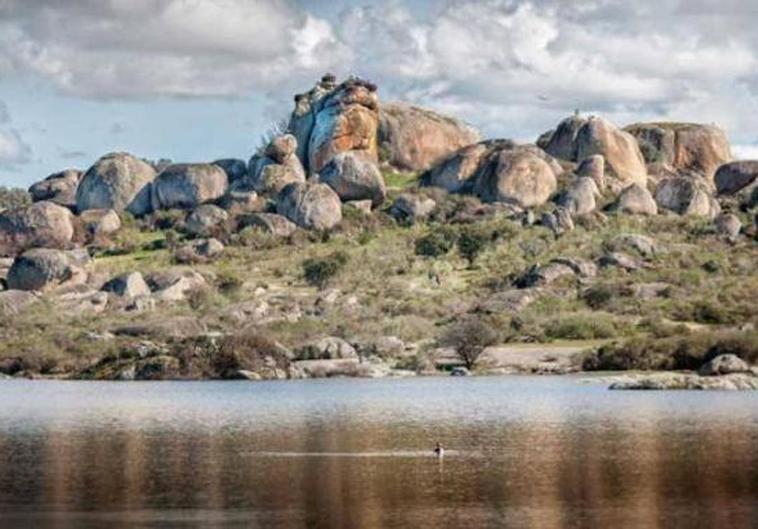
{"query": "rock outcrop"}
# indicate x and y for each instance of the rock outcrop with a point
(42, 224)
(636, 200)
(100, 221)
(277, 167)
(498, 171)
(117, 181)
(333, 118)
(691, 147)
(312, 206)
(577, 138)
(725, 364)
(59, 188)
(411, 208)
(45, 268)
(186, 186)
(354, 175)
(686, 196)
(416, 139)
(276, 225)
(130, 285)
(579, 196)
(204, 218)
(733, 177)
(235, 169)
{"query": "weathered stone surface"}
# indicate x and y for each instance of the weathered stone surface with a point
(641, 244)
(732, 177)
(693, 147)
(577, 138)
(725, 364)
(579, 197)
(686, 196)
(199, 251)
(558, 221)
(100, 221)
(235, 169)
(204, 219)
(673, 381)
(498, 171)
(619, 260)
(310, 206)
(272, 223)
(59, 188)
(412, 208)
(355, 175)
(117, 181)
(415, 139)
(593, 167)
(44, 268)
(728, 225)
(364, 206)
(636, 200)
(332, 118)
(14, 301)
(328, 348)
(277, 167)
(513, 301)
(42, 224)
(130, 285)
(174, 286)
(186, 186)
(540, 276)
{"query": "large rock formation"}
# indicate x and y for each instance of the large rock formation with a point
(186, 186)
(498, 171)
(691, 147)
(686, 196)
(309, 205)
(416, 139)
(333, 118)
(354, 175)
(577, 138)
(636, 200)
(44, 268)
(733, 177)
(59, 188)
(277, 167)
(42, 224)
(117, 181)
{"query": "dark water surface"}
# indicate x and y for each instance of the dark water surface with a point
(522, 452)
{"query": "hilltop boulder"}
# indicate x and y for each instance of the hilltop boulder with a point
(333, 118)
(577, 138)
(59, 188)
(686, 196)
(312, 206)
(692, 147)
(733, 177)
(277, 167)
(235, 169)
(42, 224)
(117, 181)
(186, 186)
(498, 171)
(636, 200)
(412, 138)
(354, 175)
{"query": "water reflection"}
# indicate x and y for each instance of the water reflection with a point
(522, 453)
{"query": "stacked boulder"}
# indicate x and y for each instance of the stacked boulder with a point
(186, 186)
(275, 168)
(498, 171)
(117, 181)
(577, 138)
(59, 188)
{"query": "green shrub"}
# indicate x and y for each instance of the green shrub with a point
(471, 242)
(13, 197)
(437, 242)
(597, 297)
(319, 271)
(587, 327)
(229, 283)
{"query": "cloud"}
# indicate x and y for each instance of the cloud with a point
(745, 152)
(72, 155)
(512, 67)
(5, 116)
(13, 150)
(118, 128)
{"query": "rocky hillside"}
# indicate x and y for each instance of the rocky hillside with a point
(372, 236)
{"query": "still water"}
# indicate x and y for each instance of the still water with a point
(520, 452)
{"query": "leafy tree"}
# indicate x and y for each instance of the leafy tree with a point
(469, 338)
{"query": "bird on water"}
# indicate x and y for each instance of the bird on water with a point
(439, 451)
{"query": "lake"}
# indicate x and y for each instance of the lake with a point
(538, 452)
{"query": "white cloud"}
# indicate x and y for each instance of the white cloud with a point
(512, 67)
(745, 152)
(13, 150)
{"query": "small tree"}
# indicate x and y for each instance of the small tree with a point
(469, 338)
(471, 242)
(318, 272)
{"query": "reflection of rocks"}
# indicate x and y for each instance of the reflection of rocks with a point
(664, 381)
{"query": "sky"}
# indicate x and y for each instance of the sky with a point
(198, 80)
